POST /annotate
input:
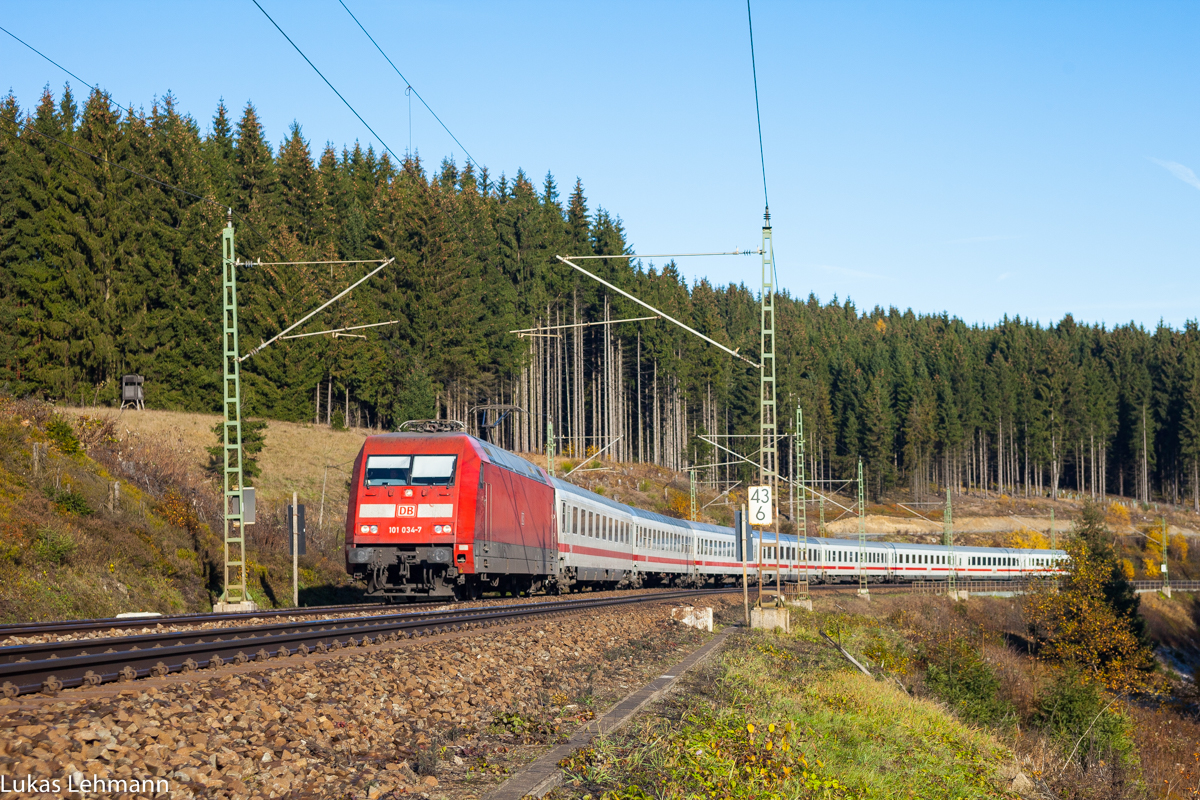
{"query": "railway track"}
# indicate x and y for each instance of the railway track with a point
(53, 666)
(114, 623)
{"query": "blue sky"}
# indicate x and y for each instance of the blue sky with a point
(978, 158)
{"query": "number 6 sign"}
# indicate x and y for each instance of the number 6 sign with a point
(761, 506)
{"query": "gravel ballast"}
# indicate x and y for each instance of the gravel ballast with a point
(447, 716)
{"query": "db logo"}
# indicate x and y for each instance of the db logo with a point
(407, 511)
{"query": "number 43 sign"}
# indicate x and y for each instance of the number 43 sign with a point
(761, 505)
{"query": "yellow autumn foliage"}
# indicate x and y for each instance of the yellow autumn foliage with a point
(1117, 515)
(1178, 547)
(1127, 569)
(1082, 624)
(1029, 539)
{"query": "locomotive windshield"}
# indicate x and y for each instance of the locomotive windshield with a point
(410, 470)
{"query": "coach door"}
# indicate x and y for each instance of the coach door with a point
(486, 501)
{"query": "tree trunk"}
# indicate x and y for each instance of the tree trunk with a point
(641, 454)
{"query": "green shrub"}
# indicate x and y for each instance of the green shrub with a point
(957, 673)
(53, 545)
(63, 435)
(69, 502)
(10, 551)
(254, 438)
(338, 421)
(1074, 708)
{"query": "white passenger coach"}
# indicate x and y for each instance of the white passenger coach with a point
(602, 542)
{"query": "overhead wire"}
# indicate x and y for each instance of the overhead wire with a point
(108, 95)
(757, 113)
(48, 58)
(327, 83)
(409, 87)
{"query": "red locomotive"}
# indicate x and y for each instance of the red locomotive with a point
(440, 513)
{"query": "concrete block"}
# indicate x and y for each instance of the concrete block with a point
(805, 603)
(701, 618)
(771, 618)
(235, 608)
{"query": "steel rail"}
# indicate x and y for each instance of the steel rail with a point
(129, 658)
(114, 623)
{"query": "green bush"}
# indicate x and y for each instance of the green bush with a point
(1074, 708)
(957, 673)
(69, 502)
(254, 438)
(53, 545)
(63, 435)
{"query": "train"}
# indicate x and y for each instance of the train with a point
(436, 513)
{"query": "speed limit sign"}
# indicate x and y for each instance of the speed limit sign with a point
(761, 505)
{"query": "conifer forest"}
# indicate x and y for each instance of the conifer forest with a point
(105, 272)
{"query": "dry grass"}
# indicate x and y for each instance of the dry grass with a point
(1166, 733)
(1174, 626)
(295, 457)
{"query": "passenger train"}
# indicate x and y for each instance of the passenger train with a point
(442, 514)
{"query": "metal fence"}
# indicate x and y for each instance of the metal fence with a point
(981, 587)
(1158, 586)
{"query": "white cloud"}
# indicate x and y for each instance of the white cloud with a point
(1179, 171)
(853, 273)
(1004, 276)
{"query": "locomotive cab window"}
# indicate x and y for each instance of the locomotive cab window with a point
(410, 470)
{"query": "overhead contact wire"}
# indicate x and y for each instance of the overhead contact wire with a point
(410, 87)
(226, 206)
(327, 83)
(757, 114)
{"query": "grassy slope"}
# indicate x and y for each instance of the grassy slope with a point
(56, 564)
(159, 548)
(293, 459)
(839, 734)
(784, 716)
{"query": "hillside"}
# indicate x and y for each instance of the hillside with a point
(313, 460)
(70, 547)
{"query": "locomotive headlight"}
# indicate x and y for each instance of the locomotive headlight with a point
(374, 529)
(408, 492)
(445, 529)
(437, 528)
(364, 529)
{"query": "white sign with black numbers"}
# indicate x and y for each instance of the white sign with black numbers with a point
(761, 505)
